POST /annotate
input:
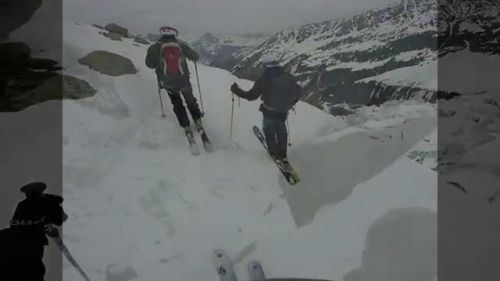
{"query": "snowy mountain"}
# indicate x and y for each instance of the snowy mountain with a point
(469, 130)
(469, 57)
(217, 50)
(379, 55)
(469, 25)
(140, 203)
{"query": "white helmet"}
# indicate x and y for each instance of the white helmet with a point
(271, 59)
(168, 30)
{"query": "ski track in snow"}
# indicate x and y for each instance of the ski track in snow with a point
(136, 196)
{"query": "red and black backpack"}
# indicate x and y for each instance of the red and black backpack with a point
(172, 59)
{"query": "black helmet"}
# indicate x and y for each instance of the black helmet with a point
(271, 59)
(34, 187)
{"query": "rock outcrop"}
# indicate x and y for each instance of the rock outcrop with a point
(115, 28)
(26, 81)
(108, 63)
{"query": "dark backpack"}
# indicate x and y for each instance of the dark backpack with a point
(172, 58)
(282, 93)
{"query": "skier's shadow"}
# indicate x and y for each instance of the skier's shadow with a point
(330, 170)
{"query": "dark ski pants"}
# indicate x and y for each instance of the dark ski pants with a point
(179, 109)
(276, 135)
(20, 267)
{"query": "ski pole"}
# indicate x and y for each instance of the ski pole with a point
(67, 254)
(199, 88)
(161, 101)
(232, 114)
(288, 133)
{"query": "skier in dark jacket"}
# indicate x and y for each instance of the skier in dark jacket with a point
(34, 218)
(168, 58)
(279, 92)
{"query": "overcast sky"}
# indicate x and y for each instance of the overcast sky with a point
(217, 16)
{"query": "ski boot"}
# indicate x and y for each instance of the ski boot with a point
(286, 165)
(189, 133)
(199, 126)
(283, 164)
(206, 142)
(193, 147)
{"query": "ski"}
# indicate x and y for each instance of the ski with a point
(207, 145)
(60, 244)
(286, 169)
(255, 271)
(223, 266)
(193, 146)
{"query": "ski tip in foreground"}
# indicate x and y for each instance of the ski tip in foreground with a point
(219, 256)
(255, 271)
(291, 176)
(223, 266)
(219, 253)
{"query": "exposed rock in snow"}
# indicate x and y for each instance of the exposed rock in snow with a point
(141, 40)
(117, 29)
(120, 273)
(27, 81)
(112, 36)
(108, 63)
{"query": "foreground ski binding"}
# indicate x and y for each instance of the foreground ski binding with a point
(286, 169)
(223, 266)
(207, 145)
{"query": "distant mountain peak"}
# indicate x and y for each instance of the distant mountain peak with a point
(215, 48)
(209, 38)
(342, 61)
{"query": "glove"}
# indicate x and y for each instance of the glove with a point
(235, 88)
(64, 216)
(51, 230)
(195, 57)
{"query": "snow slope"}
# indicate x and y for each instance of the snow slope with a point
(135, 196)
